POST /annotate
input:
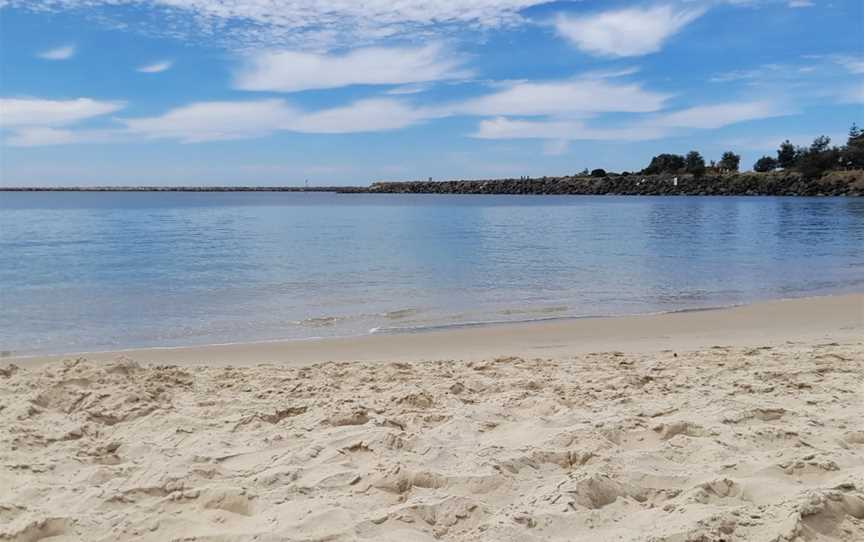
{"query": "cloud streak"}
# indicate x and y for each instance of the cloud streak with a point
(291, 71)
(657, 126)
(575, 97)
(63, 52)
(18, 112)
(156, 67)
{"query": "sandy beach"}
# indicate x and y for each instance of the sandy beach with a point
(722, 425)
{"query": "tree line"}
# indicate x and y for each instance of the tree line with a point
(811, 161)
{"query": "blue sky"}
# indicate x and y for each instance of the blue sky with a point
(197, 92)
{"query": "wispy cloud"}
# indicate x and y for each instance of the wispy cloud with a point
(409, 89)
(562, 130)
(851, 63)
(575, 97)
(214, 121)
(39, 112)
(363, 116)
(218, 121)
(625, 32)
(719, 115)
(654, 127)
(40, 136)
(156, 67)
(302, 24)
(290, 71)
(58, 53)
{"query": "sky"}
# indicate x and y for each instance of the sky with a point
(342, 92)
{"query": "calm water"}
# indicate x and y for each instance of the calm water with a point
(95, 271)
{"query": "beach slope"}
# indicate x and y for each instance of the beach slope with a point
(757, 436)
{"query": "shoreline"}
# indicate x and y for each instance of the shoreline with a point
(838, 317)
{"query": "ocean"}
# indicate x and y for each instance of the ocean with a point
(91, 271)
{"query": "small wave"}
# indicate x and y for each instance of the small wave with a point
(541, 310)
(477, 323)
(399, 314)
(320, 321)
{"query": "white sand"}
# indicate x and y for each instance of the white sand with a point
(725, 442)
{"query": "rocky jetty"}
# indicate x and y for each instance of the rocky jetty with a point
(838, 183)
(835, 183)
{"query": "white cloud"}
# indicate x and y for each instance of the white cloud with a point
(575, 97)
(363, 116)
(156, 67)
(562, 130)
(408, 89)
(290, 71)
(38, 112)
(625, 32)
(39, 136)
(213, 121)
(561, 108)
(59, 53)
(800, 3)
(300, 24)
(719, 115)
(656, 127)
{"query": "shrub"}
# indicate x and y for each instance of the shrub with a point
(665, 163)
(729, 162)
(766, 163)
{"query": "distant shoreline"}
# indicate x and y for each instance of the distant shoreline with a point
(835, 183)
(339, 189)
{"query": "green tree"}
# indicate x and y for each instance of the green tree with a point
(820, 144)
(694, 164)
(665, 163)
(852, 155)
(818, 159)
(766, 163)
(786, 155)
(598, 172)
(729, 161)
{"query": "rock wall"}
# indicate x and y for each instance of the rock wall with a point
(839, 183)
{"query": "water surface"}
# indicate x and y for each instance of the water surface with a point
(101, 271)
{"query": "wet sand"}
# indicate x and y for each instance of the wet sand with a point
(813, 318)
